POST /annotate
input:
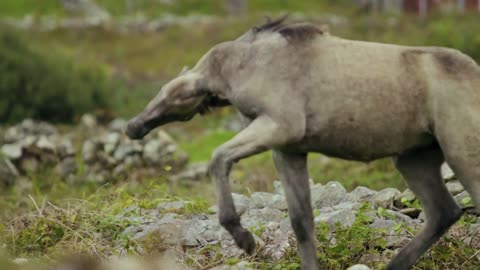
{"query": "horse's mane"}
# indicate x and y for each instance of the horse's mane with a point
(296, 31)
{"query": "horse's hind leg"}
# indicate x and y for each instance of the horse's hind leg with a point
(421, 170)
(293, 172)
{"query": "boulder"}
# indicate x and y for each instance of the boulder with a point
(8, 172)
(359, 267)
(328, 195)
(361, 194)
(447, 173)
(455, 187)
(12, 151)
(385, 197)
(345, 217)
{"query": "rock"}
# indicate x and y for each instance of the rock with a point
(152, 152)
(392, 237)
(176, 205)
(361, 194)
(111, 142)
(447, 173)
(264, 199)
(239, 266)
(127, 149)
(254, 217)
(359, 267)
(241, 202)
(384, 198)
(89, 151)
(347, 205)
(44, 143)
(194, 172)
(8, 172)
(29, 165)
(329, 195)
(20, 261)
(345, 217)
(89, 121)
(12, 151)
(64, 148)
(462, 199)
(455, 187)
(278, 187)
(408, 195)
(118, 125)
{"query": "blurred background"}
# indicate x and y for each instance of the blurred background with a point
(73, 71)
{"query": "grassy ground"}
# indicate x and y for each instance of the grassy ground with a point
(141, 63)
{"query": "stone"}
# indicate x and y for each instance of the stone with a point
(461, 198)
(118, 125)
(328, 195)
(20, 261)
(455, 187)
(111, 142)
(388, 226)
(361, 194)
(89, 151)
(152, 152)
(12, 151)
(385, 197)
(411, 212)
(193, 172)
(89, 121)
(347, 205)
(44, 143)
(127, 149)
(264, 199)
(447, 173)
(239, 266)
(278, 187)
(64, 148)
(408, 195)
(345, 217)
(254, 217)
(359, 267)
(67, 167)
(8, 172)
(176, 205)
(241, 202)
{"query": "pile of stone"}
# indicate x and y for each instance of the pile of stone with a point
(266, 214)
(111, 154)
(29, 146)
(107, 153)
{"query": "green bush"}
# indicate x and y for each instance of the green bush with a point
(45, 86)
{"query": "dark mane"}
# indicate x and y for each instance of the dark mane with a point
(296, 32)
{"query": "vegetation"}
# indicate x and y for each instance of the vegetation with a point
(59, 75)
(47, 87)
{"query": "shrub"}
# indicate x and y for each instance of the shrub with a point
(34, 84)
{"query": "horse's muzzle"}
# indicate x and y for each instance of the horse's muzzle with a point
(136, 129)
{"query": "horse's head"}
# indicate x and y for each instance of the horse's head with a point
(178, 100)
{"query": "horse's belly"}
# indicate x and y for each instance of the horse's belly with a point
(365, 144)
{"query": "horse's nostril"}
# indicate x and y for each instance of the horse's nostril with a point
(134, 130)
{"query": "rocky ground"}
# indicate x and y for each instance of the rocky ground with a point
(192, 234)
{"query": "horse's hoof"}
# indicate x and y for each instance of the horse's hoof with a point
(245, 241)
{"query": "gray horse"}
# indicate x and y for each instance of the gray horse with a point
(303, 90)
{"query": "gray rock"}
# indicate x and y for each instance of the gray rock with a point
(392, 237)
(89, 121)
(345, 217)
(447, 173)
(239, 266)
(241, 202)
(347, 205)
(460, 198)
(152, 152)
(359, 267)
(89, 151)
(176, 205)
(127, 149)
(64, 147)
(329, 195)
(20, 261)
(408, 195)
(46, 144)
(278, 188)
(110, 142)
(455, 187)
(264, 199)
(384, 198)
(361, 194)
(118, 125)
(8, 172)
(67, 167)
(254, 217)
(12, 151)
(193, 172)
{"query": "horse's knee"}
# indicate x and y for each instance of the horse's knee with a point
(229, 220)
(219, 163)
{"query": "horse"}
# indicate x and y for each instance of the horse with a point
(301, 90)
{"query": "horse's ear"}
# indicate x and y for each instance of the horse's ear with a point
(184, 70)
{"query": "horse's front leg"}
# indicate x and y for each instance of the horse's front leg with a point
(262, 134)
